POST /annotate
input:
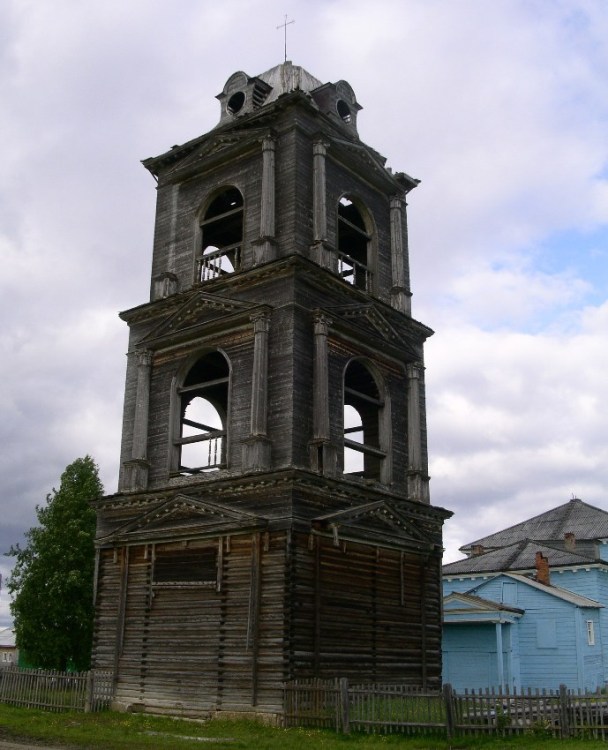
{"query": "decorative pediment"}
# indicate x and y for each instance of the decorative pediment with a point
(217, 145)
(375, 521)
(364, 153)
(182, 516)
(201, 309)
(369, 319)
(368, 315)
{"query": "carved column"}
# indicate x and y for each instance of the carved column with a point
(320, 378)
(397, 291)
(256, 448)
(264, 248)
(319, 200)
(259, 382)
(322, 452)
(417, 477)
(413, 418)
(165, 283)
(400, 295)
(268, 187)
(320, 251)
(137, 467)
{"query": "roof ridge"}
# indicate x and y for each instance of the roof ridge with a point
(562, 549)
(562, 515)
(519, 547)
(570, 510)
(514, 526)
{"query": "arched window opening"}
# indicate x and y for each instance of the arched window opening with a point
(344, 111)
(363, 452)
(353, 427)
(203, 398)
(235, 103)
(353, 245)
(222, 236)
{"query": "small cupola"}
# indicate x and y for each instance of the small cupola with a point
(242, 95)
(338, 101)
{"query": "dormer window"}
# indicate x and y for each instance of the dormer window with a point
(221, 236)
(200, 445)
(354, 242)
(235, 103)
(344, 111)
(363, 405)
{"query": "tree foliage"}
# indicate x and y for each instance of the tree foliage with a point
(52, 580)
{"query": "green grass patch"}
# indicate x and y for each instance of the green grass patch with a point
(405, 708)
(114, 731)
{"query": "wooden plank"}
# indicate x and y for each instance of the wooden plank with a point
(122, 603)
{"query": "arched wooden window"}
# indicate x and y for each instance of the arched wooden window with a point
(363, 439)
(203, 403)
(221, 236)
(354, 245)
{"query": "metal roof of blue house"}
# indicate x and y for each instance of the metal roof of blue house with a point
(518, 556)
(585, 521)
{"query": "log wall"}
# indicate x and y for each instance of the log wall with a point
(281, 607)
(190, 647)
(365, 612)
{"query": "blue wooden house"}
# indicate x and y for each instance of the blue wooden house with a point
(528, 606)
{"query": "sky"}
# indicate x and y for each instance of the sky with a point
(499, 107)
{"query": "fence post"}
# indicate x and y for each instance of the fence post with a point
(88, 697)
(344, 715)
(564, 714)
(448, 700)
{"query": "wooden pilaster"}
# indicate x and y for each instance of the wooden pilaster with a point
(256, 448)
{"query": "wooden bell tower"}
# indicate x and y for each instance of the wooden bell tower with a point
(272, 519)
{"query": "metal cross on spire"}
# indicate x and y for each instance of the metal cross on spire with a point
(284, 27)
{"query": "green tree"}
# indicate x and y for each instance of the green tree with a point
(52, 580)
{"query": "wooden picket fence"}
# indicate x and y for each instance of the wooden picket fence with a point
(392, 708)
(56, 691)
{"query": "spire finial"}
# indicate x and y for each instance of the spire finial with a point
(284, 26)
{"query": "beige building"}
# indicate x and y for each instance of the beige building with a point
(8, 649)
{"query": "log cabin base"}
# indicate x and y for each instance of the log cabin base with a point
(198, 616)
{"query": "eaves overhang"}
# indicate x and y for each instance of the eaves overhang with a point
(223, 487)
(239, 128)
(229, 138)
(464, 608)
(361, 159)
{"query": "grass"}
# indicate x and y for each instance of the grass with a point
(404, 708)
(114, 731)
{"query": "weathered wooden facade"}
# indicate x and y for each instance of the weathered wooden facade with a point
(272, 519)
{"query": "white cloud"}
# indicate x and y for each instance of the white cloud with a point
(517, 421)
